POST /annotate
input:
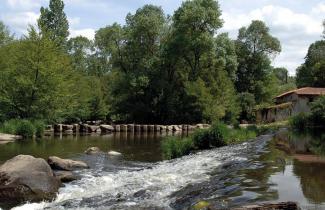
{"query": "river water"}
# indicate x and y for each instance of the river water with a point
(286, 168)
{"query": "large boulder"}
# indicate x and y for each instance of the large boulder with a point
(25, 178)
(65, 164)
(106, 128)
(93, 151)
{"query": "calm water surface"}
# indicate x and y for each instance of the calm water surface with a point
(289, 167)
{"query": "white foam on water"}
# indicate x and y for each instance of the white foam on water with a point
(160, 181)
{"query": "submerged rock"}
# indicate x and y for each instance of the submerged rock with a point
(93, 151)
(114, 153)
(65, 164)
(25, 178)
(65, 176)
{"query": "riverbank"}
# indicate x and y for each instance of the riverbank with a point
(218, 135)
(6, 138)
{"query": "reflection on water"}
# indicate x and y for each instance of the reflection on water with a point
(302, 179)
(136, 147)
(291, 167)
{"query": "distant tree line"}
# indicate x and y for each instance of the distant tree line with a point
(154, 69)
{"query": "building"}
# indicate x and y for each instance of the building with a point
(288, 104)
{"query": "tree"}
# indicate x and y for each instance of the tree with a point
(35, 77)
(53, 21)
(5, 36)
(226, 54)
(281, 74)
(80, 48)
(255, 47)
(312, 72)
(195, 23)
(324, 29)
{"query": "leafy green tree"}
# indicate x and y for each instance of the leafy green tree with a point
(226, 54)
(35, 78)
(194, 25)
(255, 46)
(247, 104)
(5, 36)
(53, 21)
(281, 74)
(312, 72)
(80, 48)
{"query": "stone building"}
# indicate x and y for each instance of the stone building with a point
(289, 103)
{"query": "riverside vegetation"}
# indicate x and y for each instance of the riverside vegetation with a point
(218, 135)
(154, 69)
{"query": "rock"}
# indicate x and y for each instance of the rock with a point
(137, 128)
(67, 127)
(65, 164)
(106, 128)
(58, 128)
(9, 137)
(25, 178)
(130, 127)
(268, 206)
(92, 128)
(117, 128)
(93, 151)
(124, 128)
(176, 128)
(144, 128)
(65, 176)
(114, 153)
(151, 128)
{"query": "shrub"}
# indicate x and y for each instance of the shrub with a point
(9, 127)
(201, 139)
(39, 126)
(219, 133)
(299, 121)
(215, 136)
(25, 128)
(174, 147)
(318, 111)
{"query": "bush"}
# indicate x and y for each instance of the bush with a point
(39, 126)
(25, 128)
(10, 126)
(318, 111)
(215, 136)
(201, 139)
(299, 121)
(174, 147)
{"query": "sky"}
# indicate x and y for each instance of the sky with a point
(296, 23)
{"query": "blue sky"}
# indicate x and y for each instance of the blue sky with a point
(297, 23)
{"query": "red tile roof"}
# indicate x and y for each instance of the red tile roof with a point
(305, 91)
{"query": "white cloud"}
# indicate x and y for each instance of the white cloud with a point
(20, 21)
(87, 32)
(24, 4)
(73, 21)
(296, 30)
(319, 9)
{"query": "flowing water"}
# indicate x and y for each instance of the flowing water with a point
(256, 171)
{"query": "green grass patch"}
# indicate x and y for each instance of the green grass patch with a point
(217, 136)
(24, 128)
(174, 147)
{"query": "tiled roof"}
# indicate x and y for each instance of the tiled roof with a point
(305, 91)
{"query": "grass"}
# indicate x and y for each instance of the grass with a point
(174, 147)
(217, 136)
(24, 128)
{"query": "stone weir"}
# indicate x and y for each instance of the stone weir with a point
(107, 128)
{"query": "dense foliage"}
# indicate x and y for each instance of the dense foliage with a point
(316, 118)
(154, 69)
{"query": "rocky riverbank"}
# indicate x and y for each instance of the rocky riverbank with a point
(94, 127)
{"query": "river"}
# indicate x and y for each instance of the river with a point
(289, 167)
